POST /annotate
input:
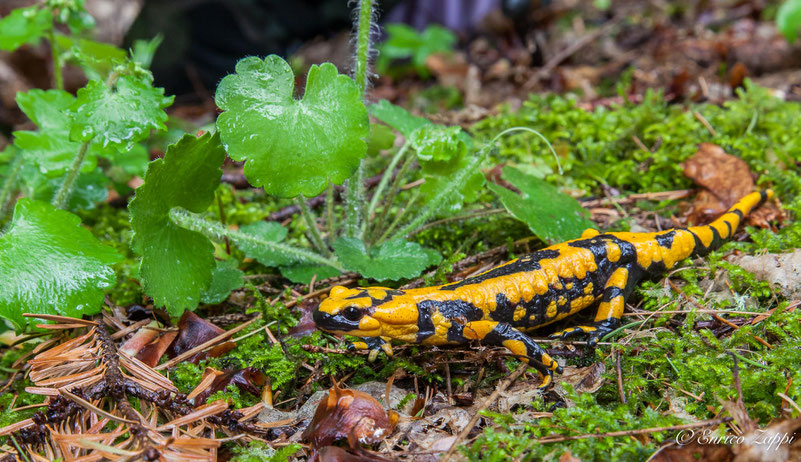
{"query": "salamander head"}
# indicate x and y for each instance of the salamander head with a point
(368, 312)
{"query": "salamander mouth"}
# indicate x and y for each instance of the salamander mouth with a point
(334, 322)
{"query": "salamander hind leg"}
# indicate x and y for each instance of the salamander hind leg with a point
(613, 301)
(522, 346)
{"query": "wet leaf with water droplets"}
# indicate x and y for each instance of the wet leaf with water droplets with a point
(292, 146)
(176, 263)
(50, 264)
(121, 114)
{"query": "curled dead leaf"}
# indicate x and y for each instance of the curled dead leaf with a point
(352, 415)
(193, 331)
(148, 344)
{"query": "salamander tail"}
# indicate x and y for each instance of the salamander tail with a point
(712, 236)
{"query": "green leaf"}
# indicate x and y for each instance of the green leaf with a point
(176, 263)
(50, 264)
(143, 51)
(381, 138)
(96, 58)
(397, 117)
(225, 277)
(88, 190)
(404, 42)
(120, 115)
(303, 273)
(268, 231)
(48, 109)
(276, 134)
(438, 175)
(23, 25)
(395, 259)
(552, 216)
(788, 19)
(50, 147)
(438, 143)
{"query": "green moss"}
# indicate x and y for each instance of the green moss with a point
(258, 451)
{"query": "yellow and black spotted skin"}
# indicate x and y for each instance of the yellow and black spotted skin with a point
(497, 306)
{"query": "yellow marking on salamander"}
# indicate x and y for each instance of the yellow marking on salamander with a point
(612, 252)
(520, 313)
(588, 289)
(441, 326)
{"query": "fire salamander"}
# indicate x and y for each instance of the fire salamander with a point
(497, 306)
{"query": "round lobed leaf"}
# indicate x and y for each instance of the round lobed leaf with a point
(291, 146)
(121, 114)
(50, 264)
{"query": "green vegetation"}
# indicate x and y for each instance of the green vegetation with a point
(186, 240)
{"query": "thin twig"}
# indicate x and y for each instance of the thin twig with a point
(494, 396)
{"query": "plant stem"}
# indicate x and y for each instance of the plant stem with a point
(393, 192)
(331, 219)
(354, 187)
(213, 230)
(360, 68)
(311, 221)
(55, 55)
(8, 185)
(433, 205)
(385, 180)
(466, 216)
(63, 194)
(399, 217)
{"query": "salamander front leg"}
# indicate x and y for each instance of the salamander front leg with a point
(613, 301)
(522, 346)
(374, 344)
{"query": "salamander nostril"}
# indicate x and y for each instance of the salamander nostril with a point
(352, 313)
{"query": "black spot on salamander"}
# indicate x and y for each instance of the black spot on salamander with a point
(504, 309)
(611, 292)
(666, 240)
(526, 263)
(737, 212)
(454, 310)
(728, 225)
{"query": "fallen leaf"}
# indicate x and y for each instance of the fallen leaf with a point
(725, 179)
(193, 331)
(149, 344)
(306, 324)
(780, 270)
(352, 415)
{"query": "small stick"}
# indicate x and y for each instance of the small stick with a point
(619, 378)
(501, 388)
(203, 346)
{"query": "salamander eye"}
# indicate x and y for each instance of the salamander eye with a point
(352, 313)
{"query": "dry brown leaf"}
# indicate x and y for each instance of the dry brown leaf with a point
(725, 179)
(352, 415)
(194, 331)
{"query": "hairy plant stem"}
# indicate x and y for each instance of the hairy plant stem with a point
(400, 216)
(8, 185)
(466, 216)
(354, 219)
(434, 204)
(216, 231)
(311, 221)
(331, 222)
(63, 194)
(58, 79)
(360, 69)
(385, 179)
(393, 192)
